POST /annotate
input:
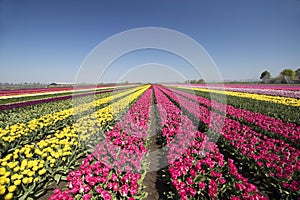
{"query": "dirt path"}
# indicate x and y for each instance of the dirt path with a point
(155, 182)
(151, 176)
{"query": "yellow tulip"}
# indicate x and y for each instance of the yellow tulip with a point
(35, 168)
(14, 176)
(42, 171)
(25, 180)
(29, 155)
(31, 173)
(2, 170)
(17, 168)
(44, 155)
(12, 188)
(9, 196)
(2, 180)
(24, 162)
(17, 182)
(30, 179)
(2, 189)
(25, 171)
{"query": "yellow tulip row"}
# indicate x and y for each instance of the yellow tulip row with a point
(274, 99)
(30, 163)
(9, 134)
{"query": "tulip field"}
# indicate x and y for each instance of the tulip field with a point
(220, 141)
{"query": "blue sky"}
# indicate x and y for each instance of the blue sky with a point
(46, 41)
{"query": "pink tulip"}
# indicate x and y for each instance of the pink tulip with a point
(202, 185)
(86, 196)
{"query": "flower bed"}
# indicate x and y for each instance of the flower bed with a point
(197, 168)
(115, 169)
(50, 158)
(286, 129)
(274, 160)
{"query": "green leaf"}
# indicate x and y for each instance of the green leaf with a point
(57, 178)
(39, 193)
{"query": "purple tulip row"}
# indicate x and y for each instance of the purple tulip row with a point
(277, 158)
(273, 92)
(114, 170)
(286, 129)
(285, 91)
(255, 86)
(197, 168)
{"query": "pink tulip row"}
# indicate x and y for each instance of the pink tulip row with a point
(114, 169)
(197, 168)
(286, 129)
(277, 158)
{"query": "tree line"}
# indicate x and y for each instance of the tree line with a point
(285, 76)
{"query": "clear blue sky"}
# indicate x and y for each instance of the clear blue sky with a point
(46, 41)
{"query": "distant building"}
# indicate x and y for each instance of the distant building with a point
(61, 84)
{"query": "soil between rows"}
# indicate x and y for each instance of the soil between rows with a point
(155, 182)
(156, 185)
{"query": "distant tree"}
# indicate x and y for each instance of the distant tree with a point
(200, 81)
(288, 72)
(265, 76)
(287, 75)
(297, 73)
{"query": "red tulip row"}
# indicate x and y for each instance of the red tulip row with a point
(33, 91)
(286, 129)
(197, 168)
(115, 169)
(275, 158)
(44, 90)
